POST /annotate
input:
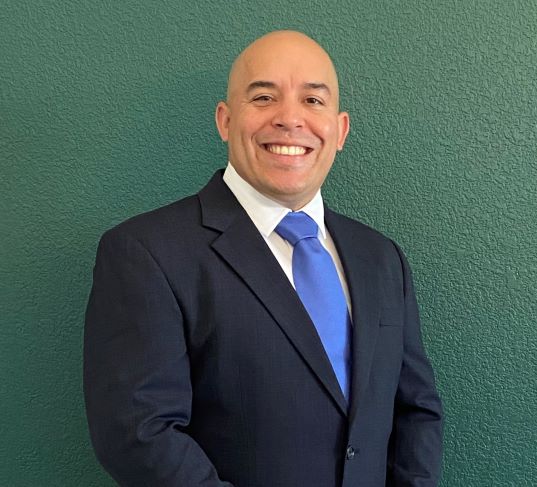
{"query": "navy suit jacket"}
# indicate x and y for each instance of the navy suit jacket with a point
(202, 367)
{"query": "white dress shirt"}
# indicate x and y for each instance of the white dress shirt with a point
(266, 214)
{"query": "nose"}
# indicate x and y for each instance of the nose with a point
(288, 116)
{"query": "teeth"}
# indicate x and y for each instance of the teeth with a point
(286, 150)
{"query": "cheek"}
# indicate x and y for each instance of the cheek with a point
(247, 131)
(327, 129)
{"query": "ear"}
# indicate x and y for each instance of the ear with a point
(222, 120)
(343, 129)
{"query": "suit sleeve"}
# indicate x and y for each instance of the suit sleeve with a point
(415, 452)
(137, 373)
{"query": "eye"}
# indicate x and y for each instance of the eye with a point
(262, 99)
(313, 100)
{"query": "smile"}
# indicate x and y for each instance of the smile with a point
(287, 150)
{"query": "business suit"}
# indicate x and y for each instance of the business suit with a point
(202, 367)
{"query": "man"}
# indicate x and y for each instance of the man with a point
(208, 360)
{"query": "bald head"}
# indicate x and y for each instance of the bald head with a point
(276, 49)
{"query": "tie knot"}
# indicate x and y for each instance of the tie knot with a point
(296, 226)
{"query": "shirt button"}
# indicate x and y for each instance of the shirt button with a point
(350, 452)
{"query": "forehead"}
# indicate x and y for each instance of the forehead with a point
(284, 63)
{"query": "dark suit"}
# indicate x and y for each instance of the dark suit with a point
(200, 358)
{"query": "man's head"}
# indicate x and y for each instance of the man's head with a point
(281, 119)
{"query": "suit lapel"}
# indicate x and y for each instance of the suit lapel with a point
(244, 249)
(365, 292)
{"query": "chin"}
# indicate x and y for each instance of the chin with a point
(287, 194)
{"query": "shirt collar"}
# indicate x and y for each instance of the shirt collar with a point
(265, 212)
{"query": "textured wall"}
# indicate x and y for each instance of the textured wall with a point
(106, 110)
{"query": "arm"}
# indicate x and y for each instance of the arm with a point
(137, 373)
(415, 451)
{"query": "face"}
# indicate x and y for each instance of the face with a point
(281, 120)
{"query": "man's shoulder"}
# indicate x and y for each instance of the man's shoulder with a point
(160, 224)
(184, 215)
(183, 224)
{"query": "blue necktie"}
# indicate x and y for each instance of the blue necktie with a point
(318, 285)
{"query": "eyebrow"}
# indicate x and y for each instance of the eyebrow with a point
(317, 86)
(260, 84)
(270, 84)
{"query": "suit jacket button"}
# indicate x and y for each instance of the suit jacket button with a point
(350, 452)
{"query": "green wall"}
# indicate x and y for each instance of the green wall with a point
(106, 110)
